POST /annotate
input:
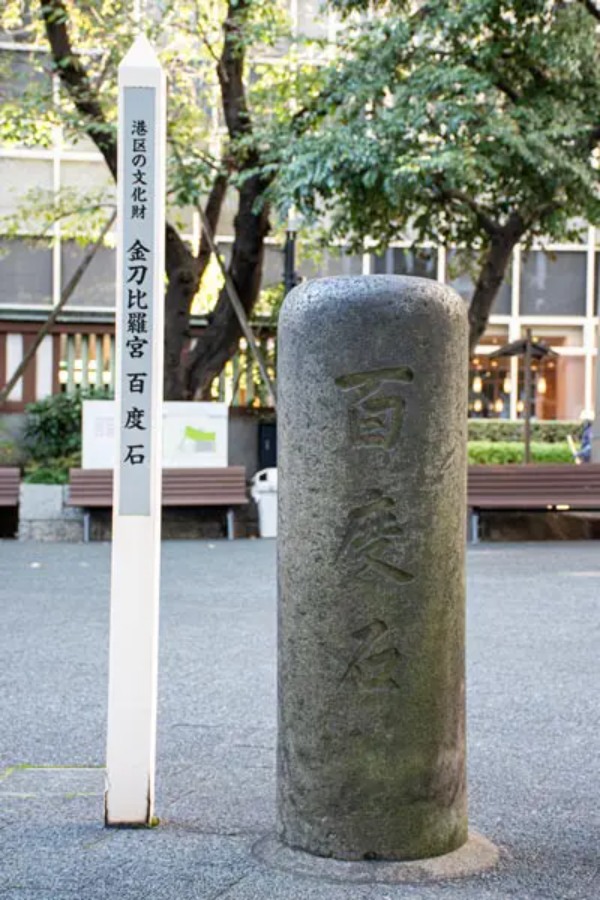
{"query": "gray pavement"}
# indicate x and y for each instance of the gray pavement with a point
(534, 729)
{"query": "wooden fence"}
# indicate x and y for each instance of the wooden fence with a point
(81, 356)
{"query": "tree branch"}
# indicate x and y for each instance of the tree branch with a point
(207, 233)
(220, 339)
(230, 70)
(76, 80)
(495, 264)
(211, 214)
(487, 223)
(499, 81)
(592, 8)
(594, 137)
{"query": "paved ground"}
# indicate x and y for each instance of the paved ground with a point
(534, 729)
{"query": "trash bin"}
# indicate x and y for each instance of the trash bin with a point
(264, 493)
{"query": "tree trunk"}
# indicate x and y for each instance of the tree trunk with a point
(182, 287)
(493, 270)
(219, 341)
(184, 269)
(185, 272)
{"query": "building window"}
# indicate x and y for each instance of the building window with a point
(404, 261)
(97, 286)
(25, 272)
(329, 264)
(570, 388)
(553, 284)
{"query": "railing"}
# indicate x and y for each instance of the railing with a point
(240, 383)
(82, 357)
(87, 361)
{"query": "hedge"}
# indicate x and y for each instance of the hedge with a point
(505, 430)
(505, 452)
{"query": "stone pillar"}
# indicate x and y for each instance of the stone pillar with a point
(372, 416)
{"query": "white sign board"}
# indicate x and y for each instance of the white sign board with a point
(98, 434)
(136, 445)
(137, 308)
(195, 435)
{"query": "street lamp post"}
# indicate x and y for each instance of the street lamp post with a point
(530, 349)
(289, 261)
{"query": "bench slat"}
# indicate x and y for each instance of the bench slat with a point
(10, 479)
(534, 486)
(181, 487)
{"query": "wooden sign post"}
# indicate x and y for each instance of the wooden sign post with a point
(131, 735)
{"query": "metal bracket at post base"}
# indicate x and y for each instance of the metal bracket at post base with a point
(474, 525)
(230, 525)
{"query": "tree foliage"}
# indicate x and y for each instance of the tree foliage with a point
(468, 122)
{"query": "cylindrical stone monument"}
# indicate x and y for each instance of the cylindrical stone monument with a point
(372, 415)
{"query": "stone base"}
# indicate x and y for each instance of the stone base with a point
(50, 530)
(44, 515)
(477, 855)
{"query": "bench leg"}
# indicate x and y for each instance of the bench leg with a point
(86, 526)
(474, 526)
(230, 525)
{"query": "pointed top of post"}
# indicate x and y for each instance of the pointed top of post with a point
(141, 55)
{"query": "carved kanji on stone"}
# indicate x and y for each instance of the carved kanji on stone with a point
(370, 538)
(376, 412)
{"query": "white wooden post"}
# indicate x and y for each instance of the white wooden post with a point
(131, 734)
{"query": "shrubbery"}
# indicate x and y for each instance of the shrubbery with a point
(504, 430)
(10, 452)
(54, 472)
(505, 452)
(52, 437)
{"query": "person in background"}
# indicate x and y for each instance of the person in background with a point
(584, 454)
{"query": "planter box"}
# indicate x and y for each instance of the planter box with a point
(43, 515)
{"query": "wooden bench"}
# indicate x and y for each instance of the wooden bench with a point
(93, 489)
(10, 480)
(533, 487)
